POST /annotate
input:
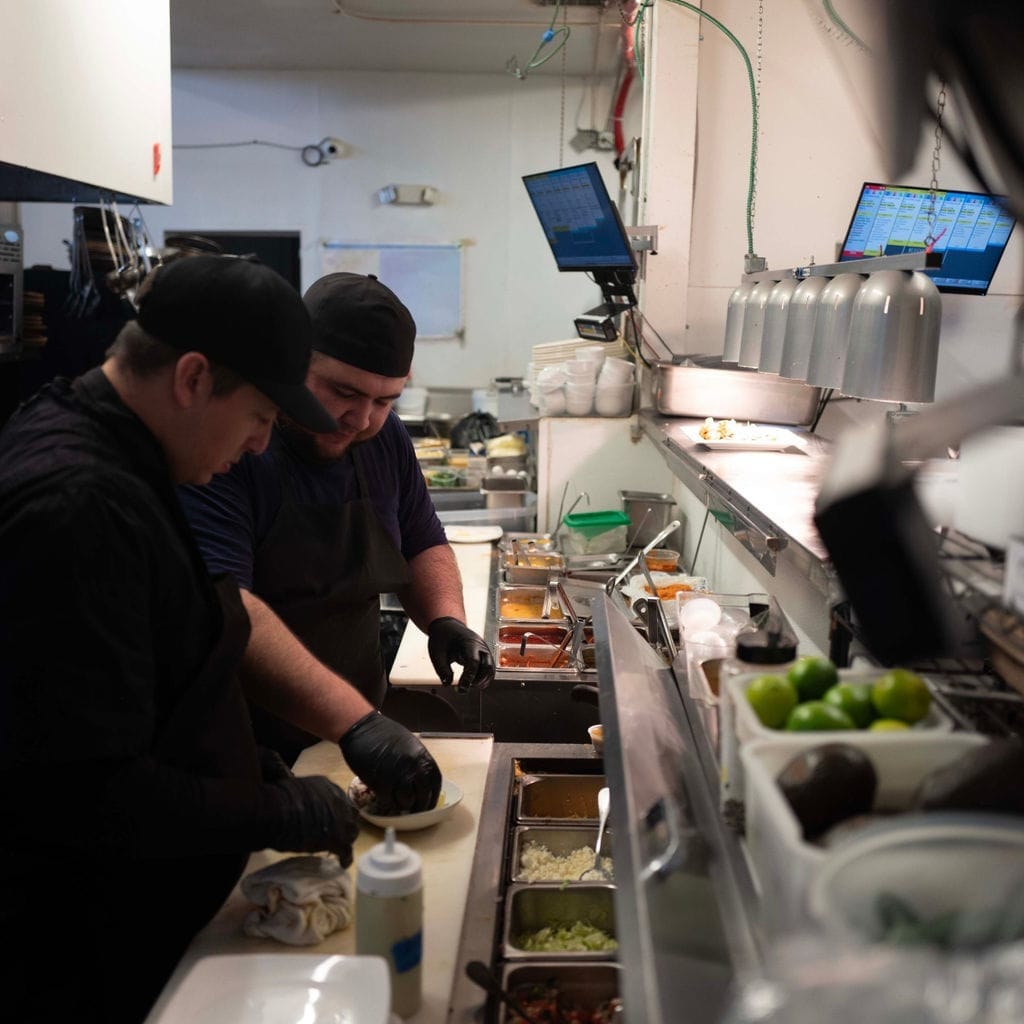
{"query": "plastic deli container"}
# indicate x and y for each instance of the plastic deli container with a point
(588, 533)
(740, 725)
(784, 863)
(521, 518)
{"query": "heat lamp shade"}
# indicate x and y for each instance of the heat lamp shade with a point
(734, 321)
(799, 336)
(753, 324)
(775, 316)
(832, 331)
(894, 338)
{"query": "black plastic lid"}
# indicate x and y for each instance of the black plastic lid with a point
(764, 648)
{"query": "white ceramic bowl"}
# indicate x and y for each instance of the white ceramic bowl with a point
(579, 399)
(450, 791)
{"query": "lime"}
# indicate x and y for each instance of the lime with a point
(888, 725)
(817, 716)
(902, 695)
(772, 698)
(812, 676)
(855, 700)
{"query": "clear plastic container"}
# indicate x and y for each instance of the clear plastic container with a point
(589, 533)
(522, 519)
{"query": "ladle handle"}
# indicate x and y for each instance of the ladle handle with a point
(479, 973)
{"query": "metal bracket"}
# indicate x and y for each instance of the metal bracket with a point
(643, 238)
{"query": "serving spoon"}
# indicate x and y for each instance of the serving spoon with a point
(604, 799)
(479, 973)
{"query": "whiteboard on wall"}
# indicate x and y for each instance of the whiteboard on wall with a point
(427, 278)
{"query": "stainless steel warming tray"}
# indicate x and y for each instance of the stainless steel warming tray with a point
(530, 908)
(703, 386)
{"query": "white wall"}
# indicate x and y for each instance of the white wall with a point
(470, 136)
(817, 145)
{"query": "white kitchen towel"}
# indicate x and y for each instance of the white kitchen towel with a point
(299, 901)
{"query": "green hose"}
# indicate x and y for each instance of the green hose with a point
(753, 102)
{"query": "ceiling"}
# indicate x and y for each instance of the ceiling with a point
(392, 35)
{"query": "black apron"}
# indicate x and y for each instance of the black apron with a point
(138, 917)
(322, 569)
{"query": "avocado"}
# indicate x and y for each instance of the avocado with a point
(826, 784)
(987, 778)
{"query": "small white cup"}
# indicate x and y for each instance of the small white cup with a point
(580, 373)
(616, 371)
(579, 399)
(613, 399)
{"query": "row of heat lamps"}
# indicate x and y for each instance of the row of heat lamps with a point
(864, 335)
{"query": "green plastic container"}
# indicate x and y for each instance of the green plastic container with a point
(596, 532)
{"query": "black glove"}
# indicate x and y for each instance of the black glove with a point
(393, 763)
(449, 640)
(272, 765)
(316, 815)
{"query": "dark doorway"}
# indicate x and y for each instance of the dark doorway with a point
(277, 249)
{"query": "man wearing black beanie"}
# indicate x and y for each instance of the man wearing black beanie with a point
(317, 528)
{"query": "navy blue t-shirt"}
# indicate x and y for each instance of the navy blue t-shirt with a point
(232, 514)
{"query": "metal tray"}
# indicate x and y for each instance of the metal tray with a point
(708, 387)
(521, 603)
(560, 841)
(532, 566)
(587, 986)
(529, 908)
(558, 799)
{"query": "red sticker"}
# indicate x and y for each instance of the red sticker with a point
(156, 159)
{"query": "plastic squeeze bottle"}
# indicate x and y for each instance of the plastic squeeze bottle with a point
(389, 917)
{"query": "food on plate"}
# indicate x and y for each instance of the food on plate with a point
(888, 725)
(773, 698)
(669, 590)
(720, 431)
(901, 694)
(366, 800)
(812, 676)
(854, 699)
(538, 864)
(987, 778)
(827, 784)
(578, 937)
(544, 1004)
(817, 716)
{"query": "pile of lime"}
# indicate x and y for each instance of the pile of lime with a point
(810, 698)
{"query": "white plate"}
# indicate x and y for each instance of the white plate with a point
(749, 438)
(472, 534)
(424, 819)
(636, 587)
(281, 988)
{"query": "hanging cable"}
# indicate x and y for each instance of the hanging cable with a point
(844, 29)
(551, 37)
(752, 176)
(313, 155)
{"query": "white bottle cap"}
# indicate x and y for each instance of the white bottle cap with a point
(389, 869)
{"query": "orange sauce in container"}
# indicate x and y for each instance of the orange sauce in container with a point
(662, 560)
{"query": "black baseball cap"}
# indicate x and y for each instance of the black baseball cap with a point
(361, 322)
(244, 316)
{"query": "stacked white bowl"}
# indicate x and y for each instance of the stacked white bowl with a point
(613, 393)
(581, 372)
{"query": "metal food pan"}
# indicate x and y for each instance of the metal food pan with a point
(586, 986)
(528, 908)
(558, 799)
(522, 603)
(532, 566)
(705, 387)
(560, 841)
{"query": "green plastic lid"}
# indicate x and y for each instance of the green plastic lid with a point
(589, 520)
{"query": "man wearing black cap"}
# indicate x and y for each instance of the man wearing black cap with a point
(132, 787)
(321, 525)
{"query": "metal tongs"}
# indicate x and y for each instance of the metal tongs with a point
(641, 555)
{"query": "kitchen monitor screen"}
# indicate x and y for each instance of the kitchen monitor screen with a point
(971, 232)
(580, 221)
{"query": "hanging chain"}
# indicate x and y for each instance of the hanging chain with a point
(940, 105)
(757, 95)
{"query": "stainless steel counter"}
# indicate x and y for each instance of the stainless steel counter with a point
(764, 498)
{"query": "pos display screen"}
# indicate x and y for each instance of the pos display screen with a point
(971, 231)
(580, 221)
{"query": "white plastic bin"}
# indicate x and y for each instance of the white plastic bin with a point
(784, 864)
(522, 518)
(740, 725)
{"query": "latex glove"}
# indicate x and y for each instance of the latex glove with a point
(316, 815)
(449, 640)
(393, 763)
(272, 765)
